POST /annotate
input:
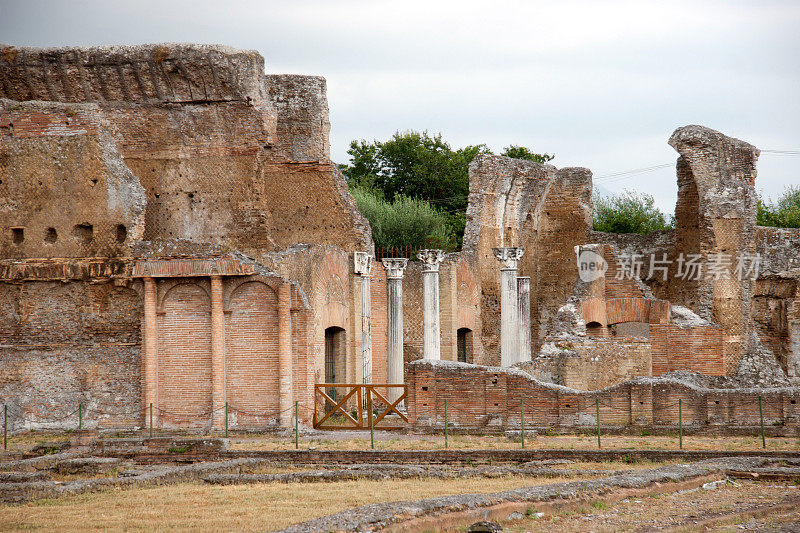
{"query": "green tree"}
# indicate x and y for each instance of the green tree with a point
(521, 152)
(422, 167)
(404, 221)
(629, 212)
(785, 213)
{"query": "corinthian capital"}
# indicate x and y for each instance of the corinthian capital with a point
(431, 258)
(508, 256)
(394, 267)
(362, 262)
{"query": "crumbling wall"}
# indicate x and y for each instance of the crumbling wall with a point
(68, 343)
(64, 188)
(546, 211)
(491, 397)
(199, 128)
(716, 214)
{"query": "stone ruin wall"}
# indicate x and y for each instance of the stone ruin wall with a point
(153, 152)
(545, 210)
(490, 398)
(191, 151)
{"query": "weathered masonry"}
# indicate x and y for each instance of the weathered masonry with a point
(174, 234)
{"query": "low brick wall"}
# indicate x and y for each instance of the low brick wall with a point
(491, 397)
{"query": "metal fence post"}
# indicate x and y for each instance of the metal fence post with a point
(445, 423)
(680, 423)
(80, 416)
(597, 412)
(5, 426)
(761, 415)
(296, 425)
(226, 420)
(371, 429)
(522, 419)
(151, 420)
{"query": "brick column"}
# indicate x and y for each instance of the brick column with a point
(285, 354)
(394, 336)
(150, 355)
(218, 396)
(431, 331)
(509, 315)
(524, 315)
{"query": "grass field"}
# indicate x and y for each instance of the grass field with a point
(256, 507)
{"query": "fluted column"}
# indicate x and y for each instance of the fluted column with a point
(431, 332)
(394, 336)
(217, 354)
(285, 354)
(524, 315)
(509, 314)
(362, 266)
(150, 359)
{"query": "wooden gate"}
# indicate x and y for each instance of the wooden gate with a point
(351, 410)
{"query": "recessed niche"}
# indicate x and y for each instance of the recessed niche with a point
(17, 235)
(50, 235)
(122, 233)
(83, 232)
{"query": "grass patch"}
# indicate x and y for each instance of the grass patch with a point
(200, 507)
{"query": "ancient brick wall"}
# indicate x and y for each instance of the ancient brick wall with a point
(68, 342)
(64, 189)
(197, 125)
(718, 171)
(545, 210)
(491, 397)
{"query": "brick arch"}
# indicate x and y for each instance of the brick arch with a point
(627, 310)
(232, 284)
(166, 285)
(184, 356)
(251, 368)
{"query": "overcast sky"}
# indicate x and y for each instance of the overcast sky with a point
(600, 84)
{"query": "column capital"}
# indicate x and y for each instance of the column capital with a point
(508, 256)
(431, 258)
(395, 266)
(362, 263)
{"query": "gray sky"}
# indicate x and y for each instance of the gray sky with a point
(600, 84)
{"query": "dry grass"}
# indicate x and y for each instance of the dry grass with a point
(260, 507)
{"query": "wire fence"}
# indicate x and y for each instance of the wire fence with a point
(15, 417)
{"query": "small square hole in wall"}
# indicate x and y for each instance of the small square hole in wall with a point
(17, 235)
(425, 389)
(792, 402)
(83, 232)
(122, 233)
(50, 235)
(716, 402)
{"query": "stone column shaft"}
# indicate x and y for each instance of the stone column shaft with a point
(431, 331)
(509, 312)
(218, 396)
(509, 317)
(394, 335)
(362, 261)
(150, 356)
(524, 316)
(286, 395)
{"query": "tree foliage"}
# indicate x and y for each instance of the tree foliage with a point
(422, 167)
(784, 213)
(404, 221)
(520, 152)
(629, 212)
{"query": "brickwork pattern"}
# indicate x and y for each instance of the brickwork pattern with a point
(489, 397)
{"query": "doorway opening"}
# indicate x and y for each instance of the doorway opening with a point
(464, 345)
